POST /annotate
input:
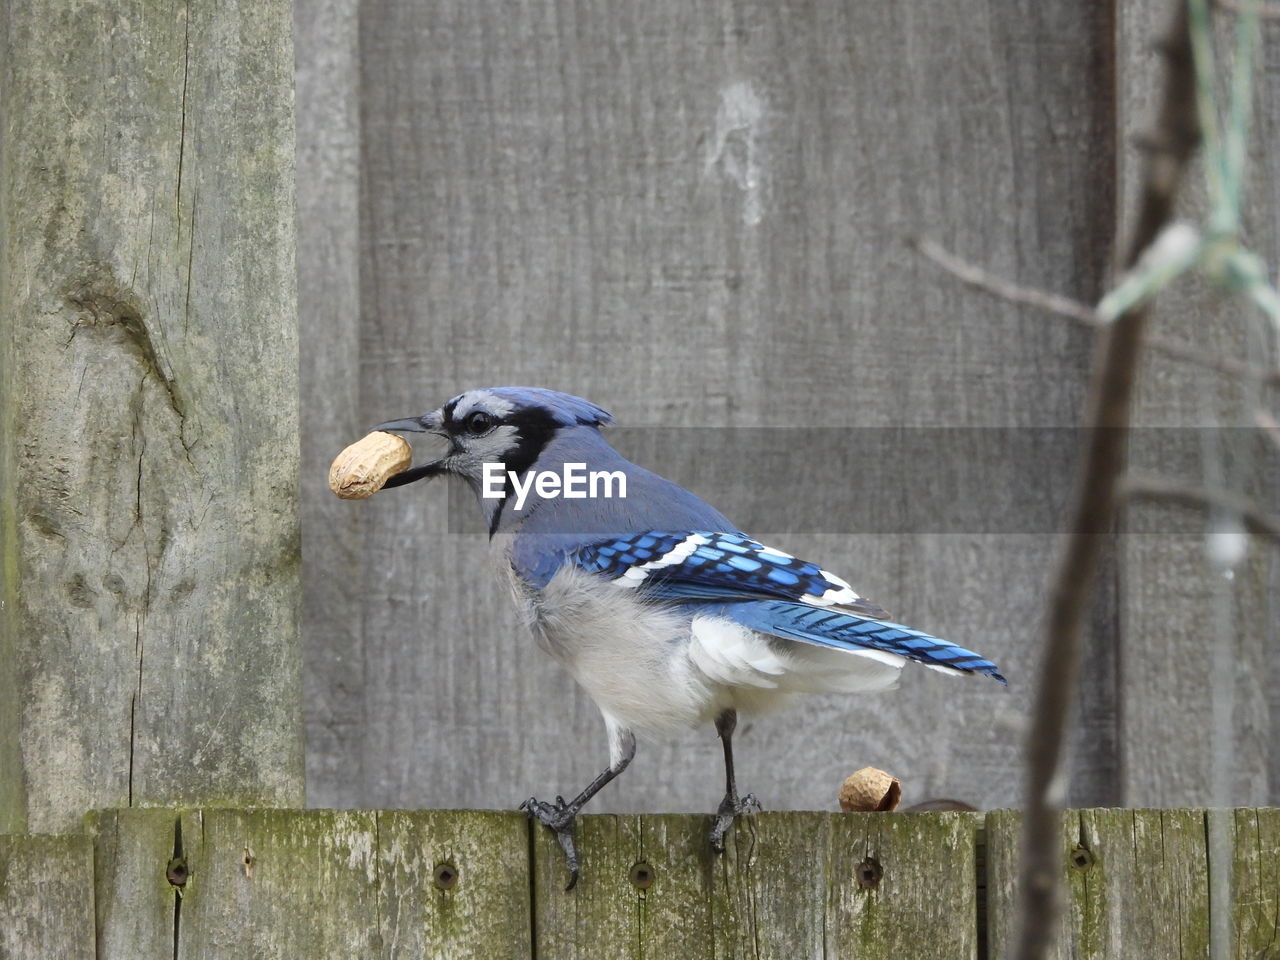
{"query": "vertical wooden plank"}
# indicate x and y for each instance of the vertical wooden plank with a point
(1256, 883)
(46, 897)
(149, 411)
(327, 84)
(694, 213)
(612, 912)
(1131, 877)
(1182, 617)
(280, 883)
(924, 902)
(599, 912)
(454, 884)
(136, 904)
(1002, 834)
(770, 892)
(1146, 882)
(1003, 838)
(677, 912)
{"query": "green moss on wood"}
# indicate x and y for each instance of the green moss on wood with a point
(457, 884)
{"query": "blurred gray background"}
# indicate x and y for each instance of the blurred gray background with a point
(697, 215)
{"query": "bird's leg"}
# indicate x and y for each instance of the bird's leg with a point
(731, 806)
(559, 816)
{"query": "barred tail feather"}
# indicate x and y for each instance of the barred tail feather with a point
(830, 628)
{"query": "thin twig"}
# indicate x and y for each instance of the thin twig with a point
(1202, 55)
(980, 279)
(1095, 506)
(1142, 486)
(1227, 365)
(1240, 112)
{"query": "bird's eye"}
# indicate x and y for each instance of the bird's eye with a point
(479, 422)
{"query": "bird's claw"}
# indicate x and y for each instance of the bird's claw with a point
(731, 807)
(559, 818)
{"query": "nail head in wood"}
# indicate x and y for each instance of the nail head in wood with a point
(446, 876)
(642, 875)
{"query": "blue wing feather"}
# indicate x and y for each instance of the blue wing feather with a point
(767, 591)
(722, 566)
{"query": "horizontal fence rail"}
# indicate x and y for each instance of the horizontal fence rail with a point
(405, 884)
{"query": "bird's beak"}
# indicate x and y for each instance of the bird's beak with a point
(427, 423)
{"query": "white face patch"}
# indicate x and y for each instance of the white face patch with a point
(475, 452)
(485, 400)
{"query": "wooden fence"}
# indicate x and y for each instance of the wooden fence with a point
(408, 884)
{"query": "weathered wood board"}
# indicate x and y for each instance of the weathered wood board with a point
(46, 897)
(697, 215)
(136, 903)
(1197, 694)
(148, 416)
(454, 884)
(328, 139)
(1147, 882)
(789, 885)
(287, 883)
(462, 884)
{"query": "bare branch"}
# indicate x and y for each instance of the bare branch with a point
(981, 279)
(1227, 365)
(1143, 486)
(1096, 501)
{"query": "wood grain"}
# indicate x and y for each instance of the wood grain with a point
(280, 883)
(1196, 696)
(787, 886)
(1133, 880)
(696, 214)
(1256, 882)
(484, 911)
(903, 914)
(286, 883)
(334, 564)
(148, 317)
(366, 884)
(136, 903)
(46, 897)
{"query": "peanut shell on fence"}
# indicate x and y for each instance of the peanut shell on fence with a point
(870, 790)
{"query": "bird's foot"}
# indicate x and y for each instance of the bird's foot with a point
(559, 818)
(731, 807)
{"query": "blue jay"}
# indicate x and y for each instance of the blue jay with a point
(658, 606)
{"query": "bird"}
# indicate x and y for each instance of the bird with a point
(663, 611)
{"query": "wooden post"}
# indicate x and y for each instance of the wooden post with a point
(148, 409)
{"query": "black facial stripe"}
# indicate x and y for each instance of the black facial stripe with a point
(448, 410)
(535, 429)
